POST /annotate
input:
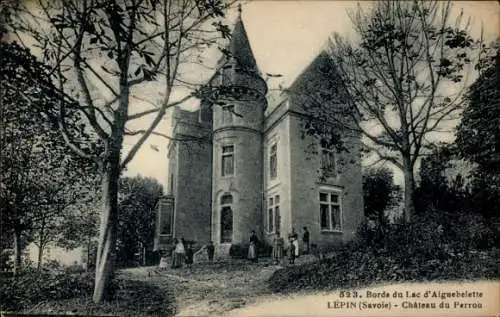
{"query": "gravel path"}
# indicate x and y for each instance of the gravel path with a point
(215, 289)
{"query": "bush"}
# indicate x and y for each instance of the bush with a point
(240, 251)
(432, 247)
(57, 289)
(34, 286)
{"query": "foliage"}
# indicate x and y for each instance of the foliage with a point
(438, 188)
(478, 135)
(453, 184)
(136, 226)
(79, 226)
(379, 192)
(48, 283)
(136, 298)
(485, 193)
(40, 176)
(437, 246)
(240, 251)
(134, 43)
(55, 289)
(401, 83)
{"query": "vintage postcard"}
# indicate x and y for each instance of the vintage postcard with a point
(249, 158)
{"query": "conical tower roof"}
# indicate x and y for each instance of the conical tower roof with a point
(237, 67)
(239, 48)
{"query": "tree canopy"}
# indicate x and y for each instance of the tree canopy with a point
(401, 83)
(103, 53)
(138, 197)
(40, 177)
(478, 135)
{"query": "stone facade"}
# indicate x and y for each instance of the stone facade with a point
(243, 163)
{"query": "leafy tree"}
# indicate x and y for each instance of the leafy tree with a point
(65, 207)
(80, 224)
(37, 169)
(136, 226)
(478, 135)
(379, 193)
(103, 53)
(401, 84)
(439, 188)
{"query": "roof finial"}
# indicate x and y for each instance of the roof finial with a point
(239, 10)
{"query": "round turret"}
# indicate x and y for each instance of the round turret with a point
(238, 114)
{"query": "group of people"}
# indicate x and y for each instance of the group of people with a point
(183, 253)
(293, 246)
(278, 252)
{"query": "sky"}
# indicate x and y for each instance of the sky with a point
(285, 36)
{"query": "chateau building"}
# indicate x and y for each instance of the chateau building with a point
(243, 164)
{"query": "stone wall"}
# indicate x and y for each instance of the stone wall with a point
(245, 185)
(278, 132)
(190, 164)
(306, 184)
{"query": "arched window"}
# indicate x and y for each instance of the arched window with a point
(226, 219)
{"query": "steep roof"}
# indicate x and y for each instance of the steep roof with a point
(240, 48)
(239, 51)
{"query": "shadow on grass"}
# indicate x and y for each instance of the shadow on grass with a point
(131, 298)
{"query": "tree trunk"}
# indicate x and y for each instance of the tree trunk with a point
(40, 245)
(88, 253)
(108, 228)
(381, 221)
(17, 250)
(40, 256)
(409, 207)
(143, 254)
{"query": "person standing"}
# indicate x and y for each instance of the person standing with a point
(291, 251)
(296, 246)
(252, 249)
(174, 263)
(189, 255)
(278, 249)
(210, 252)
(179, 253)
(306, 240)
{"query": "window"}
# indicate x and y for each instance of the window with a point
(228, 160)
(167, 225)
(328, 160)
(273, 214)
(227, 114)
(273, 161)
(205, 112)
(172, 184)
(166, 214)
(226, 219)
(330, 211)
